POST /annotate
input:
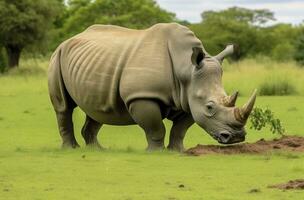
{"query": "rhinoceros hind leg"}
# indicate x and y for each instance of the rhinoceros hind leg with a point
(147, 114)
(178, 131)
(89, 132)
(66, 129)
(62, 102)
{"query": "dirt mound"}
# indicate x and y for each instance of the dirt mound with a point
(290, 185)
(289, 143)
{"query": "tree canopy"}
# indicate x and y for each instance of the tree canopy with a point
(128, 13)
(236, 25)
(242, 15)
(24, 23)
(250, 29)
(299, 48)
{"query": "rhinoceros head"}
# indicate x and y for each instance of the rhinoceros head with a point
(209, 105)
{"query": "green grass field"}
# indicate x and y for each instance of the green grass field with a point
(32, 166)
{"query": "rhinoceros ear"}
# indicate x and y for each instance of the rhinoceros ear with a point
(197, 56)
(230, 49)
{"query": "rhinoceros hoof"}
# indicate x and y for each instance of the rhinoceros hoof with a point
(69, 145)
(178, 148)
(155, 148)
(96, 146)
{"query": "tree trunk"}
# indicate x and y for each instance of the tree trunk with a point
(13, 53)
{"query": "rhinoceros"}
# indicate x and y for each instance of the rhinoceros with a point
(121, 76)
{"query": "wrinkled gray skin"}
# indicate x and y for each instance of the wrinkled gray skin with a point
(207, 105)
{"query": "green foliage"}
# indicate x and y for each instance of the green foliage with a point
(277, 87)
(247, 28)
(234, 25)
(25, 23)
(241, 15)
(299, 53)
(3, 60)
(282, 39)
(283, 51)
(259, 118)
(128, 13)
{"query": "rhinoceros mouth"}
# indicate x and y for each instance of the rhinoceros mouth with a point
(227, 137)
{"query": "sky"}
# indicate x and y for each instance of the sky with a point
(290, 11)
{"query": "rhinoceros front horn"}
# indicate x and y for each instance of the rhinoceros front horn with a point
(242, 114)
(226, 52)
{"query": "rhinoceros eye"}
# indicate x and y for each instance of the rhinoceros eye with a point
(210, 108)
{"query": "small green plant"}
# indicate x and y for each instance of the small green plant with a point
(259, 118)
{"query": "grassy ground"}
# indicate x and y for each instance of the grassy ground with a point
(33, 167)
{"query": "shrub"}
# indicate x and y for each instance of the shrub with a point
(259, 118)
(280, 87)
(299, 53)
(286, 49)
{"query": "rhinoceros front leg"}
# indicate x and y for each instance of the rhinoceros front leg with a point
(89, 132)
(178, 132)
(147, 114)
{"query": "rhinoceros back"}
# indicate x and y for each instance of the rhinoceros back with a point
(106, 67)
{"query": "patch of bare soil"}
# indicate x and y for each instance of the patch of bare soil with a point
(297, 184)
(288, 143)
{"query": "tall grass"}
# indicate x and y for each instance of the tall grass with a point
(277, 87)
(30, 67)
(268, 76)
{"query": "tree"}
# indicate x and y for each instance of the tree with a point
(284, 37)
(127, 13)
(24, 22)
(235, 25)
(242, 15)
(299, 53)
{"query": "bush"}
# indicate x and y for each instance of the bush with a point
(299, 53)
(279, 87)
(283, 52)
(259, 118)
(3, 60)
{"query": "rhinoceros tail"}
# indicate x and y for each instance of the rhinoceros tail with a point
(59, 96)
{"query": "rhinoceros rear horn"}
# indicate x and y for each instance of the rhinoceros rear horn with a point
(229, 101)
(230, 49)
(242, 114)
(197, 56)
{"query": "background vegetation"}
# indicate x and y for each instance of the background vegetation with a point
(37, 27)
